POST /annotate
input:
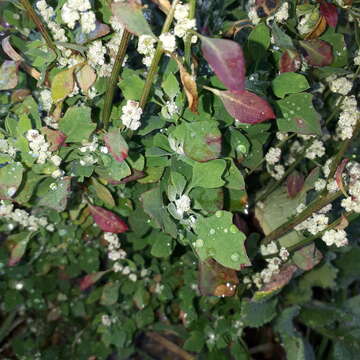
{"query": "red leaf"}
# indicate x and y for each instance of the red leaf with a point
(329, 11)
(295, 183)
(91, 279)
(245, 106)
(116, 145)
(107, 221)
(338, 176)
(290, 61)
(227, 60)
(55, 137)
(317, 52)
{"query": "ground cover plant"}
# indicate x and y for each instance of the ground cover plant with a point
(179, 179)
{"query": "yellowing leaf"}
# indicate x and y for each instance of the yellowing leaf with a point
(62, 85)
(86, 77)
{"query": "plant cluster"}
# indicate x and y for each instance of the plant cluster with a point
(183, 174)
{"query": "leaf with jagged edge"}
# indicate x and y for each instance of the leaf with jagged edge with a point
(256, 314)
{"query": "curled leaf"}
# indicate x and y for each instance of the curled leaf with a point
(338, 176)
(319, 28)
(226, 58)
(107, 220)
(91, 279)
(317, 52)
(329, 11)
(294, 183)
(116, 145)
(189, 86)
(129, 13)
(245, 106)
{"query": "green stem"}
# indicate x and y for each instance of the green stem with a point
(316, 205)
(157, 56)
(349, 217)
(110, 91)
(35, 18)
(192, 10)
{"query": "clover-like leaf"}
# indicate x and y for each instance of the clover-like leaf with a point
(57, 198)
(226, 58)
(116, 145)
(220, 239)
(201, 173)
(289, 83)
(107, 220)
(129, 13)
(245, 106)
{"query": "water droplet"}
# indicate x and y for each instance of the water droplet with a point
(233, 229)
(235, 257)
(241, 148)
(212, 231)
(226, 230)
(218, 214)
(199, 243)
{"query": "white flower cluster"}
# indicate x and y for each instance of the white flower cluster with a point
(40, 150)
(273, 156)
(48, 13)
(170, 109)
(131, 114)
(252, 13)
(316, 222)
(114, 247)
(340, 85)
(352, 203)
(348, 118)
(182, 205)
(183, 23)
(45, 100)
(20, 216)
(7, 148)
(277, 171)
(320, 184)
(335, 237)
(357, 57)
(87, 148)
(316, 149)
(146, 47)
(168, 42)
(273, 266)
(79, 10)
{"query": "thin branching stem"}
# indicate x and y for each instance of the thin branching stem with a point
(35, 18)
(192, 11)
(157, 57)
(110, 91)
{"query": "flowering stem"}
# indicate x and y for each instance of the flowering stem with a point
(192, 9)
(110, 91)
(157, 56)
(316, 205)
(350, 216)
(35, 18)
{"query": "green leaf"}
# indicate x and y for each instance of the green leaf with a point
(256, 314)
(221, 240)
(110, 294)
(201, 173)
(289, 83)
(31, 180)
(21, 239)
(57, 199)
(282, 40)
(259, 41)
(339, 47)
(103, 193)
(299, 115)
(62, 85)
(129, 13)
(10, 179)
(76, 124)
(171, 86)
(201, 140)
(234, 178)
(131, 84)
(153, 205)
(322, 276)
(162, 246)
(195, 342)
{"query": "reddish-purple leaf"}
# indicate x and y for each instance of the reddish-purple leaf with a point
(290, 61)
(91, 279)
(227, 60)
(55, 137)
(329, 11)
(317, 52)
(116, 145)
(338, 176)
(245, 106)
(294, 183)
(307, 257)
(107, 221)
